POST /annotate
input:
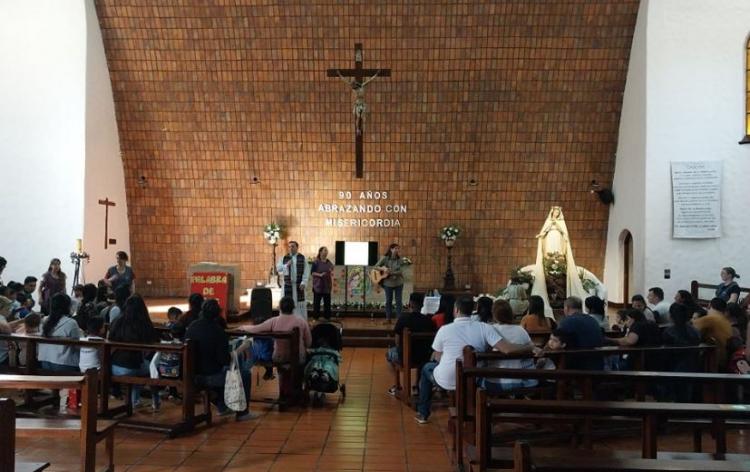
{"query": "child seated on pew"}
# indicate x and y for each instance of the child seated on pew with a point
(25, 306)
(558, 341)
(89, 356)
(173, 314)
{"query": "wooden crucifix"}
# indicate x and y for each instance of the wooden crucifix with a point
(358, 78)
(107, 203)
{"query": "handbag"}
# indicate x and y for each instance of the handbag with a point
(234, 392)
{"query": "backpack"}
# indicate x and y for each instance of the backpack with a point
(170, 365)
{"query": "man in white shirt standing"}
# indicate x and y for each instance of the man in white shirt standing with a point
(449, 344)
(658, 305)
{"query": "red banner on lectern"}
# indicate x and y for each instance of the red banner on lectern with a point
(212, 285)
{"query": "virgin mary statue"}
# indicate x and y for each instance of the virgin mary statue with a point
(553, 240)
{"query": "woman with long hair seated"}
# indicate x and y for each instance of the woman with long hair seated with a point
(484, 310)
(534, 320)
(134, 326)
(213, 358)
(59, 357)
(445, 313)
(502, 314)
(595, 309)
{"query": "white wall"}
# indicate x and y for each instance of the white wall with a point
(104, 173)
(695, 105)
(42, 87)
(58, 138)
(629, 184)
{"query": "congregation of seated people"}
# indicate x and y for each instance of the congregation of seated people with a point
(109, 311)
(650, 321)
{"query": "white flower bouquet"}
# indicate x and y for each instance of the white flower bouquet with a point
(272, 233)
(449, 233)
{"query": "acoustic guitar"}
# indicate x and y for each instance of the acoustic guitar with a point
(377, 276)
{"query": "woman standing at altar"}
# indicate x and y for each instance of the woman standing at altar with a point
(322, 272)
(52, 283)
(120, 274)
(391, 265)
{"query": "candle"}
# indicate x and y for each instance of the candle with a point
(79, 245)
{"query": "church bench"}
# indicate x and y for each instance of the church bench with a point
(189, 419)
(291, 336)
(90, 430)
(8, 441)
(638, 354)
(695, 291)
(489, 411)
(562, 461)
(714, 388)
(461, 419)
(408, 340)
(294, 368)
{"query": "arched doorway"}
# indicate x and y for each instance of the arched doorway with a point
(626, 243)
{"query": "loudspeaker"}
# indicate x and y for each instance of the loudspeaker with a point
(373, 253)
(340, 253)
(261, 304)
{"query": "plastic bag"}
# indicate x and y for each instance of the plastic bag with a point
(234, 392)
(153, 367)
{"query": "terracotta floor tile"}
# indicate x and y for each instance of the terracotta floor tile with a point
(150, 468)
(253, 461)
(164, 458)
(211, 459)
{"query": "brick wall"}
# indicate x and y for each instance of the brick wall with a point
(522, 97)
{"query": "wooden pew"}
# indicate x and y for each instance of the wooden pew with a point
(88, 429)
(461, 418)
(291, 336)
(292, 364)
(649, 413)
(638, 354)
(189, 418)
(695, 289)
(714, 389)
(8, 441)
(561, 462)
(408, 340)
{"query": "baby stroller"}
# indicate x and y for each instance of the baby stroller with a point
(322, 368)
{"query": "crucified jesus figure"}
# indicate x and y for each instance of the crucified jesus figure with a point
(360, 107)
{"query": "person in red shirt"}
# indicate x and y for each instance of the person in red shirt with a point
(444, 314)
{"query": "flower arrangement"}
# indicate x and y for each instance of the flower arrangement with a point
(555, 264)
(518, 276)
(488, 295)
(449, 233)
(272, 232)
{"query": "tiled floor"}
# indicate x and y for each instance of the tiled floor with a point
(370, 431)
